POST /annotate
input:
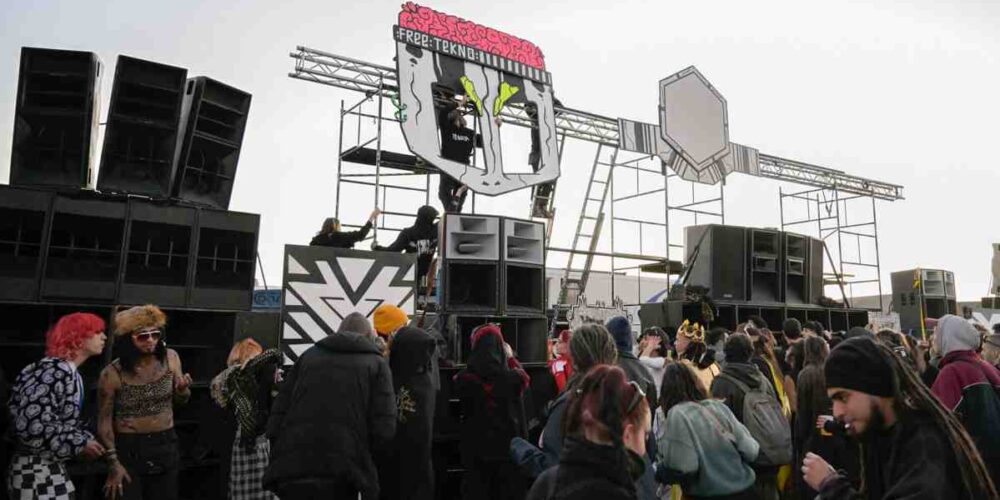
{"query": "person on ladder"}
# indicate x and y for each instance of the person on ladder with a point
(457, 144)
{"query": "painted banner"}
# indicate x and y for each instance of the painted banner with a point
(323, 285)
(450, 69)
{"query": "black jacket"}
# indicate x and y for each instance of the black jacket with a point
(636, 372)
(406, 470)
(421, 238)
(589, 471)
(335, 405)
(913, 460)
(723, 388)
(835, 448)
(341, 239)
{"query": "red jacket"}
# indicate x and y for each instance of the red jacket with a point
(562, 370)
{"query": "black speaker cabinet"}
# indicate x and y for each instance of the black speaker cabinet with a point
(471, 258)
(84, 249)
(527, 336)
(55, 118)
(717, 258)
(816, 261)
(523, 267)
(225, 260)
(213, 118)
(142, 129)
(796, 272)
(262, 326)
(765, 268)
(24, 222)
(661, 314)
(158, 254)
(927, 291)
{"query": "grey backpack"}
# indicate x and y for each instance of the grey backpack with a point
(763, 417)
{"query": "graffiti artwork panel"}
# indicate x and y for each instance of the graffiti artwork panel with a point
(448, 64)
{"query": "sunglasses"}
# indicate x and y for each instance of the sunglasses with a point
(155, 335)
(636, 398)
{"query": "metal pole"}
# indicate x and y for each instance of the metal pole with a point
(840, 246)
(378, 153)
(611, 193)
(340, 152)
(781, 207)
(878, 268)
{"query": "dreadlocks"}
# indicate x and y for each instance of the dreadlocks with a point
(912, 396)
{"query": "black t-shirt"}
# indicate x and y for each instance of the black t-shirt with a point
(457, 143)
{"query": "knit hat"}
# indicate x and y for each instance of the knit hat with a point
(857, 364)
(955, 334)
(621, 331)
(389, 318)
(138, 318)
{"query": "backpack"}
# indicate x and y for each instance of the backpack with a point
(763, 417)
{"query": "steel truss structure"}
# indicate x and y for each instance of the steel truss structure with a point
(379, 85)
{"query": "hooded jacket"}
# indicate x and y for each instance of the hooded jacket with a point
(490, 389)
(421, 238)
(970, 387)
(725, 389)
(587, 471)
(324, 430)
(621, 331)
(407, 471)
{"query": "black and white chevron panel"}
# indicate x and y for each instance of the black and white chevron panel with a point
(323, 285)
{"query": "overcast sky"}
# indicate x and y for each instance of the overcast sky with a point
(904, 92)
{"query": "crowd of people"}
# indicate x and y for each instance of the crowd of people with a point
(685, 412)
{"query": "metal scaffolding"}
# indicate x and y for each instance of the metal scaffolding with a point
(379, 85)
(850, 237)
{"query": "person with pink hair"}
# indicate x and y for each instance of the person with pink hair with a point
(45, 405)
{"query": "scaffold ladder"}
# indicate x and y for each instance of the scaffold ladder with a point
(588, 226)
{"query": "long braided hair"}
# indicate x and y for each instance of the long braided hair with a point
(913, 396)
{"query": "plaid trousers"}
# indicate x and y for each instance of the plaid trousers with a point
(248, 466)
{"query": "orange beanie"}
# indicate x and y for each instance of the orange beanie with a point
(389, 318)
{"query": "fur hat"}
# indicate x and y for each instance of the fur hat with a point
(137, 318)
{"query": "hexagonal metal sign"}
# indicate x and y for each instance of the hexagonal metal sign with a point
(694, 120)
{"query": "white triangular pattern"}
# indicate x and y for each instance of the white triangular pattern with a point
(354, 270)
(294, 267)
(291, 300)
(298, 349)
(310, 328)
(290, 333)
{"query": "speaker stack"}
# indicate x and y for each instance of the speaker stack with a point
(927, 292)
(157, 230)
(493, 270)
(754, 265)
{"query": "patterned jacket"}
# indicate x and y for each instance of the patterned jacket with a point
(45, 407)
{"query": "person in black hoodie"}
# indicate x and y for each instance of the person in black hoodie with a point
(739, 370)
(607, 425)
(408, 471)
(421, 238)
(336, 404)
(621, 331)
(330, 234)
(490, 389)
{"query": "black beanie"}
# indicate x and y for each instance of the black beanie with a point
(857, 364)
